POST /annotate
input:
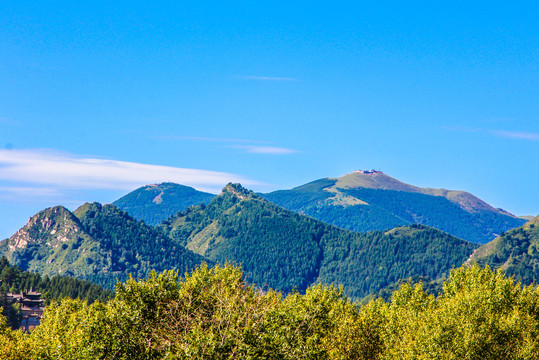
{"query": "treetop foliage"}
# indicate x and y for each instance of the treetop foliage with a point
(214, 314)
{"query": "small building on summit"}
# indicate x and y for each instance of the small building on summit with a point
(31, 308)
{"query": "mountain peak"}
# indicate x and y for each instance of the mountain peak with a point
(156, 202)
(52, 225)
(373, 179)
(238, 191)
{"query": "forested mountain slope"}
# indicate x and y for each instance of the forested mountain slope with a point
(286, 250)
(155, 203)
(516, 252)
(371, 200)
(276, 247)
(99, 243)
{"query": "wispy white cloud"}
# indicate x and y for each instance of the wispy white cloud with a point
(525, 135)
(459, 128)
(207, 139)
(240, 144)
(272, 150)
(516, 134)
(269, 78)
(21, 192)
(67, 171)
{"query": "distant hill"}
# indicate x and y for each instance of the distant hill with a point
(372, 200)
(516, 252)
(286, 250)
(155, 203)
(98, 243)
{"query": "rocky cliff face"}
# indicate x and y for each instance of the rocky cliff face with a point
(52, 226)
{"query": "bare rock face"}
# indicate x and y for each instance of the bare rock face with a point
(52, 226)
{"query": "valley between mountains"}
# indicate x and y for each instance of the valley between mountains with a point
(364, 231)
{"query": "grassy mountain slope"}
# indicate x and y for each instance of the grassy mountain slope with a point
(285, 250)
(516, 252)
(155, 203)
(370, 200)
(439, 212)
(97, 243)
(335, 207)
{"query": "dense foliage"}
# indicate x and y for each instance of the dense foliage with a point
(55, 288)
(155, 203)
(214, 314)
(433, 287)
(366, 263)
(284, 250)
(390, 208)
(516, 251)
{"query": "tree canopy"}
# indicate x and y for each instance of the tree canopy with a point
(214, 314)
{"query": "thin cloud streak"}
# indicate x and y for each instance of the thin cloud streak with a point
(68, 171)
(461, 129)
(207, 139)
(19, 192)
(271, 150)
(269, 78)
(500, 133)
(516, 135)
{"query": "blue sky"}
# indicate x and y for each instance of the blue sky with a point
(98, 98)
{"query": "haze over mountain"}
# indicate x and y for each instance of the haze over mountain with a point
(368, 200)
(154, 203)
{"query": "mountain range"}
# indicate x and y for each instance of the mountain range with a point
(286, 250)
(364, 230)
(363, 200)
(371, 200)
(276, 247)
